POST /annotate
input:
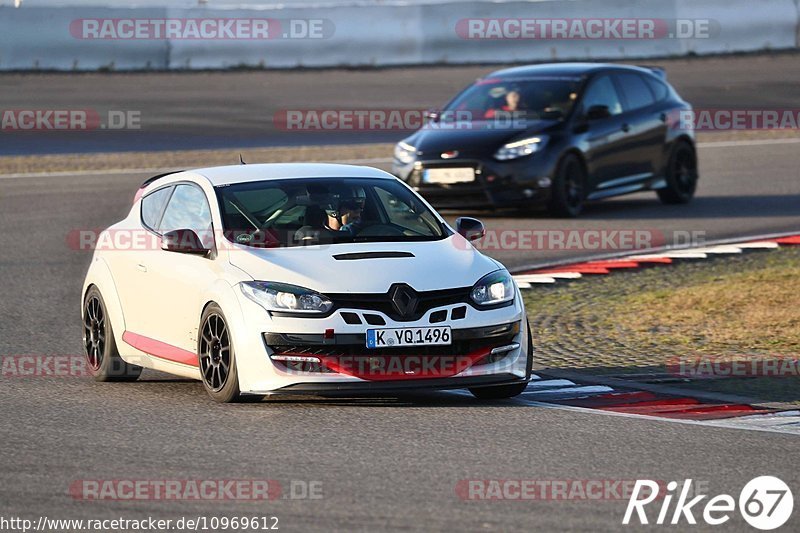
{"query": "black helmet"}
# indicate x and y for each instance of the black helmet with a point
(345, 198)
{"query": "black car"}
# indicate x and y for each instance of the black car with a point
(555, 135)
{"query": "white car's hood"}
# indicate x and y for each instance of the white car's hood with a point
(445, 264)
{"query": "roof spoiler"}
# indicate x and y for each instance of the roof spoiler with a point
(148, 181)
(661, 72)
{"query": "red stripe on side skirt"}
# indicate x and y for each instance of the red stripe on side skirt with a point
(159, 349)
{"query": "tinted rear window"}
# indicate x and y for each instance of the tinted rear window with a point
(636, 91)
(659, 88)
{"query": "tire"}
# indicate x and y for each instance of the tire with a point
(681, 175)
(569, 188)
(217, 358)
(100, 348)
(503, 392)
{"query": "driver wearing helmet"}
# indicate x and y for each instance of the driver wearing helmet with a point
(344, 212)
(333, 212)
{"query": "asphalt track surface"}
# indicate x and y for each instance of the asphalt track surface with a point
(384, 463)
(237, 109)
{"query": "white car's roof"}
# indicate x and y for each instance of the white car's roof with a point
(272, 171)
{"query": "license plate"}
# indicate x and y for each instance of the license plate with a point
(399, 337)
(448, 175)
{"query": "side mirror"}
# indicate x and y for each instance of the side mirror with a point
(432, 115)
(183, 241)
(598, 112)
(471, 229)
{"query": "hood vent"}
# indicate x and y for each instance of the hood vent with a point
(371, 255)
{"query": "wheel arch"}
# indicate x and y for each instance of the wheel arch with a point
(100, 276)
(574, 150)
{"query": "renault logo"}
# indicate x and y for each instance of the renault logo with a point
(404, 300)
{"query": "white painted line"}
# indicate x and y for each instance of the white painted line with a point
(557, 275)
(549, 384)
(706, 423)
(685, 255)
(721, 249)
(570, 392)
(532, 278)
(84, 173)
(366, 161)
(523, 286)
(161, 170)
(754, 142)
(782, 414)
(758, 245)
(643, 257)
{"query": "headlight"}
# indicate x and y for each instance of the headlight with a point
(405, 153)
(494, 288)
(521, 148)
(285, 298)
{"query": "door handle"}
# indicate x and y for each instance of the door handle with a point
(141, 267)
(626, 128)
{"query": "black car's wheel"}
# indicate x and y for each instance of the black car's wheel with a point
(502, 392)
(217, 358)
(681, 175)
(102, 356)
(569, 188)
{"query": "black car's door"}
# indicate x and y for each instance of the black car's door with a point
(647, 128)
(606, 136)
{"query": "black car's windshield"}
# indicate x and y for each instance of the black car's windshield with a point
(529, 99)
(300, 211)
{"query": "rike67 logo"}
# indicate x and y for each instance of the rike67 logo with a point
(765, 503)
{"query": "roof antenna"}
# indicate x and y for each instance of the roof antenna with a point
(241, 160)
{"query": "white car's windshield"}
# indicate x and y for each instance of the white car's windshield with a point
(297, 212)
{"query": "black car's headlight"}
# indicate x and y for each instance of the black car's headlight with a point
(405, 153)
(521, 148)
(282, 297)
(492, 289)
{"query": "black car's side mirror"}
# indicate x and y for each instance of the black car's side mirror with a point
(183, 241)
(471, 229)
(598, 112)
(432, 115)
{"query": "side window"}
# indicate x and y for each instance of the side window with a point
(637, 93)
(187, 209)
(602, 92)
(153, 205)
(659, 88)
(403, 215)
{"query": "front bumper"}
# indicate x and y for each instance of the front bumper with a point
(368, 387)
(526, 181)
(341, 350)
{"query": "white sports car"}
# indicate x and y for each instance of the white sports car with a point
(295, 278)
